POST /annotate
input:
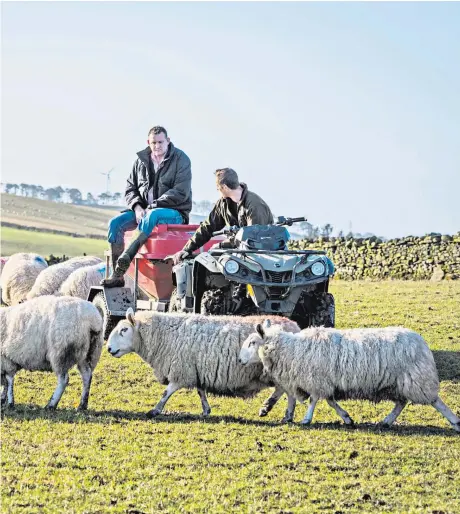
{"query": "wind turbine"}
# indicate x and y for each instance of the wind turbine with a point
(108, 179)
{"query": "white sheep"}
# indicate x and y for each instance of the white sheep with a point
(50, 280)
(18, 276)
(358, 364)
(50, 334)
(80, 281)
(196, 352)
(3, 261)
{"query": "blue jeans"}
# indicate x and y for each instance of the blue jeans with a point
(127, 221)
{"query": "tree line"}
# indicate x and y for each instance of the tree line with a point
(60, 194)
(75, 196)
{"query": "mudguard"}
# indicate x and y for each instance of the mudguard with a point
(118, 299)
(182, 279)
(208, 261)
(204, 261)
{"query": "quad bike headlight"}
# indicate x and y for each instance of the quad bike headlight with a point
(232, 267)
(318, 268)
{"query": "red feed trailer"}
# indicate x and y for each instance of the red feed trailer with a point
(154, 276)
(148, 281)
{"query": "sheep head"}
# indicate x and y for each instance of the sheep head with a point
(249, 353)
(123, 337)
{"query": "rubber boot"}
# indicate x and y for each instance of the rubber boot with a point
(125, 259)
(114, 280)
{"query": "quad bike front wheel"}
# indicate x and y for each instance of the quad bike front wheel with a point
(315, 310)
(213, 303)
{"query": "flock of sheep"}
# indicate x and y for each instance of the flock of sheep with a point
(49, 326)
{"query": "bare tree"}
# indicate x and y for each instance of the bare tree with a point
(326, 230)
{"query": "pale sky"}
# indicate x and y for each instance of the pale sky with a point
(337, 111)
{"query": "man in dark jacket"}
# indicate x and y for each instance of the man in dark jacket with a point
(237, 206)
(158, 191)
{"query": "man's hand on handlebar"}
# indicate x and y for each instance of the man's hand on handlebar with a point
(226, 230)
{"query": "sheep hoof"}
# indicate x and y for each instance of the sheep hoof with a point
(305, 423)
(349, 422)
(456, 426)
(50, 407)
(206, 413)
(286, 420)
(263, 412)
(383, 425)
(82, 407)
(153, 413)
(9, 406)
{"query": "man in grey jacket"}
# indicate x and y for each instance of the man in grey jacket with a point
(236, 206)
(158, 191)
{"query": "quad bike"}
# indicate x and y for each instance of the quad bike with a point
(254, 272)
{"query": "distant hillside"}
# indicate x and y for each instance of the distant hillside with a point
(33, 212)
(77, 219)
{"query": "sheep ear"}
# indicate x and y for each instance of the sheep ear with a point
(260, 330)
(130, 316)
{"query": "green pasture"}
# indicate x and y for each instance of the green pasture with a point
(15, 240)
(113, 460)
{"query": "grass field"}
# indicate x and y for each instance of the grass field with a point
(78, 219)
(17, 240)
(33, 212)
(112, 459)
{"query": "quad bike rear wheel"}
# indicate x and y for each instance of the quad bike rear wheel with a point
(172, 307)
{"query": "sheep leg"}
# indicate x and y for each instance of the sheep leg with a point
(63, 380)
(391, 418)
(311, 409)
(86, 376)
(341, 412)
(289, 414)
(9, 391)
(4, 390)
(441, 407)
(169, 391)
(204, 402)
(270, 402)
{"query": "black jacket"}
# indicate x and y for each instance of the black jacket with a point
(172, 183)
(250, 210)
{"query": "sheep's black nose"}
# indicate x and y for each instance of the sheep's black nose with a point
(239, 360)
(109, 349)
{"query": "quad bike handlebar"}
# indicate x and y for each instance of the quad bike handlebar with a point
(282, 221)
(227, 230)
(289, 221)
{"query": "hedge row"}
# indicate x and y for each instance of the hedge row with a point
(434, 256)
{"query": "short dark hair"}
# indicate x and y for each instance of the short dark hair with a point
(227, 177)
(158, 129)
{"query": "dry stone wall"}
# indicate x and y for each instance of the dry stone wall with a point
(434, 257)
